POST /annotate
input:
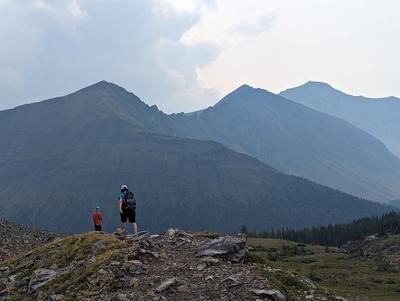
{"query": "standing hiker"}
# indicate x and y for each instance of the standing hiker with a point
(97, 219)
(127, 208)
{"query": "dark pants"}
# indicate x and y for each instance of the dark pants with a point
(97, 228)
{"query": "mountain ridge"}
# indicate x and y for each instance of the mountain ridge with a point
(235, 120)
(273, 129)
(68, 161)
(377, 116)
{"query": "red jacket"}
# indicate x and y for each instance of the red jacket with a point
(97, 218)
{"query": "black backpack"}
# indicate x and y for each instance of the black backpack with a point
(130, 201)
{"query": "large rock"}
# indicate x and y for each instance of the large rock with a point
(230, 248)
(41, 277)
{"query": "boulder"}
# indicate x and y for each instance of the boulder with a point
(41, 277)
(230, 248)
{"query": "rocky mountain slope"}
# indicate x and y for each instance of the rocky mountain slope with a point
(65, 156)
(283, 134)
(174, 266)
(16, 239)
(296, 140)
(378, 116)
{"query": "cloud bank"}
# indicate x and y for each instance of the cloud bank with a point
(51, 48)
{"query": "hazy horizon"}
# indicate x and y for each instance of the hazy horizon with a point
(199, 109)
(184, 55)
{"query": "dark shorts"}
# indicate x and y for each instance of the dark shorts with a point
(128, 215)
(97, 228)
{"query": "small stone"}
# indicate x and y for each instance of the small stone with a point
(134, 282)
(274, 295)
(232, 281)
(54, 266)
(210, 260)
(142, 235)
(99, 246)
(121, 297)
(171, 232)
(201, 266)
(166, 285)
(57, 297)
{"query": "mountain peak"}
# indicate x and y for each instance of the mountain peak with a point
(245, 87)
(244, 94)
(103, 85)
(312, 87)
(317, 83)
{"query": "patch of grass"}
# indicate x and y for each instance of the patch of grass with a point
(254, 258)
(329, 267)
(65, 251)
(208, 234)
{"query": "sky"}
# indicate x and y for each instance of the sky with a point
(184, 55)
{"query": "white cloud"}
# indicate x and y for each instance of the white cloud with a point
(55, 47)
(251, 27)
(184, 54)
(352, 45)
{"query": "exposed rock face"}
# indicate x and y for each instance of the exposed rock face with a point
(16, 239)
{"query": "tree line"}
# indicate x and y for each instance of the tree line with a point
(338, 234)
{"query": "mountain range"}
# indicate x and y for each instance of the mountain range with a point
(292, 138)
(377, 116)
(64, 156)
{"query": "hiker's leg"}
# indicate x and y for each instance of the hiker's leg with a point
(135, 227)
(124, 218)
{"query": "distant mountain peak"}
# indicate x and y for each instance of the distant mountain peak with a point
(244, 94)
(114, 91)
(318, 84)
(103, 85)
(245, 87)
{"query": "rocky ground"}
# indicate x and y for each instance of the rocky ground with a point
(174, 266)
(382, 249)
(16, 239)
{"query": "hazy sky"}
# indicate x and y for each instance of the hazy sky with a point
(184, 55)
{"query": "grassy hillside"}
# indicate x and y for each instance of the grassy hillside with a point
(345, 274)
